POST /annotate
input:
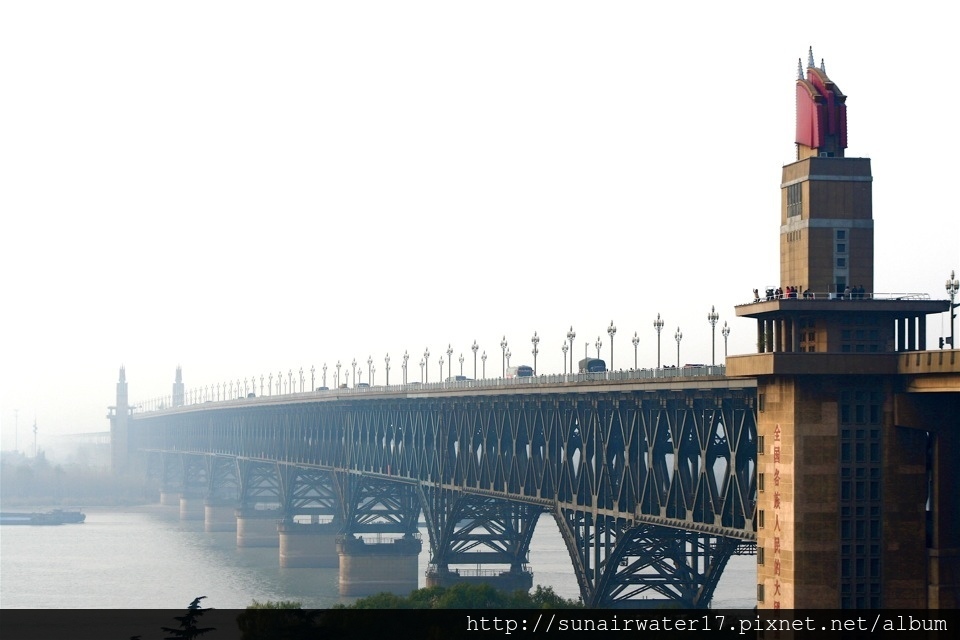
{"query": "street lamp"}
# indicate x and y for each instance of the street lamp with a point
(598, 344)
(474, 347)
(565, 348)
(441, 369)
(421, 369)
(338, 374)
(635, 341)
(611, 331)
(354, 375)
(658, 325)
(387, 361)
(952, 287)
(571, 334)
(725, 332)
(324, 374)
(301, 379)
(503, 351)
(269, 385)
(508, 357)
(371, 373)
(426, 365)
(461, 365)
(449, 362)
(370, 370)
(679, 337)
(535, 340)
(712, 318)
(406, 356)
(313, 382)
(484, 359)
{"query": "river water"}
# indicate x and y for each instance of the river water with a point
(146, 558)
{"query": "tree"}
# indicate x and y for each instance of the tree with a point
(189, 629)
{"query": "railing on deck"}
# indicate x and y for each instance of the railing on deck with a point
(208, 394)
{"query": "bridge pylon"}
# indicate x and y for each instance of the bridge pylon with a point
(312, 519)
(379, 546)
(479, 540)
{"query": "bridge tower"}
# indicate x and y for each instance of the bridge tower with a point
(119, 416)
(842, 483)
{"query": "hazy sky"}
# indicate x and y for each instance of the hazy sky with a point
(242, 188)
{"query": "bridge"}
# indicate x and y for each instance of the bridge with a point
(830, 452)
(650, 475)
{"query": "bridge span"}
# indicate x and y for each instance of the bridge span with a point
(651, 478)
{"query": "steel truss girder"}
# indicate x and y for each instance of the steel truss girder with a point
(373, 505)
(617, 562)
(678, 458)
(224, 478)
(467, 529)
(308, 491)
(260, 484)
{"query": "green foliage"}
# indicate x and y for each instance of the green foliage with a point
(467, 596)
(284, 619)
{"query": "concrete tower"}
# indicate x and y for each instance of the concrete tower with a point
(842, 470)
(119, 416)
(178, 394)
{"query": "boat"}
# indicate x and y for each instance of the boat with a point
(57, 516)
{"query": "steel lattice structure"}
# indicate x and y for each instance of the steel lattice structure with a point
(653, 487)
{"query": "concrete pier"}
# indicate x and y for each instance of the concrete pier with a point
(366, 569)
(258, 527)
(220, 515)
(308, 544)
(191, 508)
(170, 498)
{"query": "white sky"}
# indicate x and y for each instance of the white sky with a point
(243, 188)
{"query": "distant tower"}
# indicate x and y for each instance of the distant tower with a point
(178, 389)
(119, 416)
(842, 459)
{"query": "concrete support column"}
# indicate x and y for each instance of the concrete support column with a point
(911, 333)
(170, 497)
(219, 515)
(258, 527)
(761, 336)
(923, 334)
(943, 567)
(794, 344)
(309, 545)
(902, 334)
(191, 507)
(366, 569)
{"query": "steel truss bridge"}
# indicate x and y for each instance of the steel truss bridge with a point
(651, 481)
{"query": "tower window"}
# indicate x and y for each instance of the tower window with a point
(841, 247)
(841, 262)
(841, 234)
(794, 199)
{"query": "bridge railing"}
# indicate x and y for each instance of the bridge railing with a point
(771, 294)
(208, 394)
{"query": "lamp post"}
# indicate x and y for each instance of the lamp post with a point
(658, 325)
(508, 357)
(354, 374)
(301, 379)
(679, 337)
(474, 347)
(421, 369)
(571, 334)
(535, 340)
(635, 341)
(712, 318)
(503, 351)
(386, 360)
(565, 348)
(484, 359)
(725, 332)
(461, 365)
(269, 385)
(449, 362)
(324, 368)
(338, 374)
(598, 344)
(611, 331)
(406, 356)
(358, 376)
(261, 385)
(425, 374)
(952, 287)
(441, 369)
(372, 374)
(313, 382)
(289, 382)
(279, 381)
(370, 370)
